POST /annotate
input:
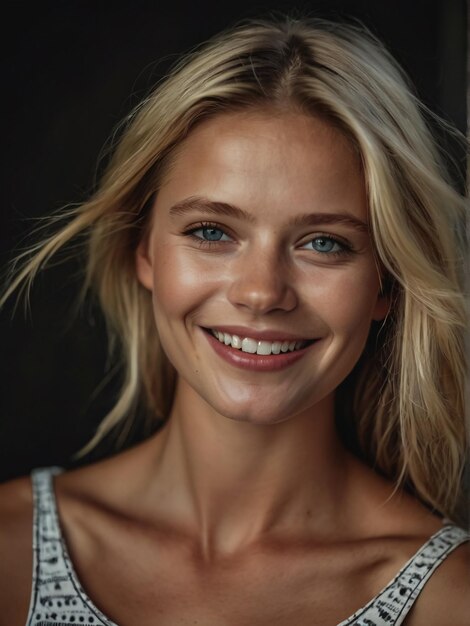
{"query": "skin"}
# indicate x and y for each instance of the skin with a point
(245, 508)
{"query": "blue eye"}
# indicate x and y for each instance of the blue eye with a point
(327, 245)
(210, 232)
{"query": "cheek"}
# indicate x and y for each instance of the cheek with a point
(179, 285)
(345, 300)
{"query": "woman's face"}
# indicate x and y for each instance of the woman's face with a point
(282, 199)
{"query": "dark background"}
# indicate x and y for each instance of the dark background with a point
(70, 72)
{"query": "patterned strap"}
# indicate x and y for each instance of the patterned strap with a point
(392, 605)
(57, 598)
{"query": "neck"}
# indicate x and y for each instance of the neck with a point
(232, 482)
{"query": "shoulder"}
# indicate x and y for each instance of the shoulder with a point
(445, 599)
(16, 554)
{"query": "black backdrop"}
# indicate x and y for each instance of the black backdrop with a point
(70, 71)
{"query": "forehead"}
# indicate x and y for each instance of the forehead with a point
(259, 158)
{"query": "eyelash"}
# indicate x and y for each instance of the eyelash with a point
(346, 250)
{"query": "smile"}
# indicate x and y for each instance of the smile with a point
(256, 346)
(277, 355)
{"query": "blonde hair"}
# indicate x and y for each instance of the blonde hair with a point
(409, 393)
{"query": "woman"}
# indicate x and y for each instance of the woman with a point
(274, 240)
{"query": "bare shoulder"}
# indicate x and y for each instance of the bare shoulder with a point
(16, 554)
(445, 599)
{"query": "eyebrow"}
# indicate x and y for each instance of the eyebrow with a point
(199, 203)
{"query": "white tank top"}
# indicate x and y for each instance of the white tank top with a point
(58, 599)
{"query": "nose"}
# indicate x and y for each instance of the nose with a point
(262, 282)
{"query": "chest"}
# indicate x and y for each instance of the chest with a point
(161, 582)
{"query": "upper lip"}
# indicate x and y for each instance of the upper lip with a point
(255, 333)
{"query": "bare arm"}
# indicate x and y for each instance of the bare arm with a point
(16, 554)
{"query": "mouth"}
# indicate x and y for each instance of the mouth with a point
(256, 346)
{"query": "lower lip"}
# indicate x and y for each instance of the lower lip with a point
(255, 362)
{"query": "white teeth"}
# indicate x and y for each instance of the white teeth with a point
(253, 346)
(249, 345)
(264, 347)
(276, 347)
(236, 342)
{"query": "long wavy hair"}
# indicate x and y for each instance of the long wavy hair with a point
(408, 396)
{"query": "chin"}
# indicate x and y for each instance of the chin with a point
(251, 416)
(263, 420)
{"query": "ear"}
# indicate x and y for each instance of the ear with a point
(144, 264)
